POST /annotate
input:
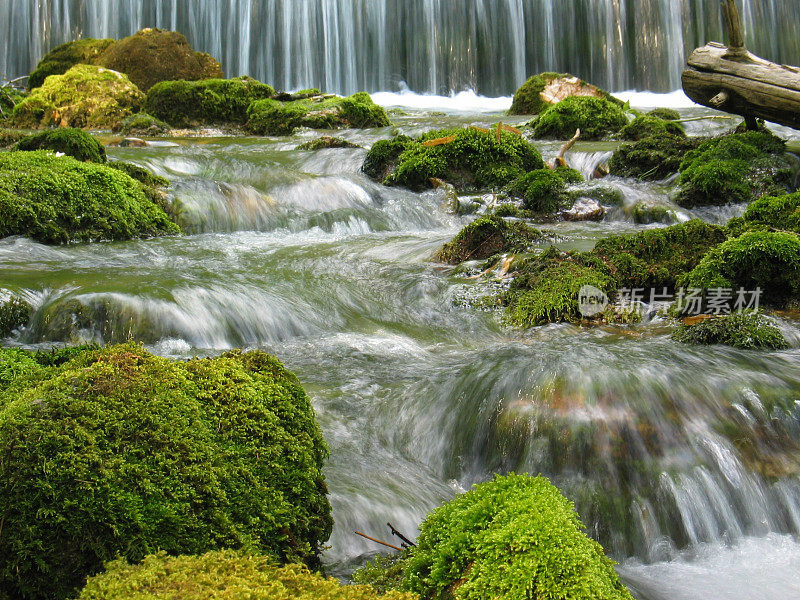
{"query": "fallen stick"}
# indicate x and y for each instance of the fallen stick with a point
(372, 539)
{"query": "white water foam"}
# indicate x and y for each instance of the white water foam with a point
(676, 99)
(461, 102)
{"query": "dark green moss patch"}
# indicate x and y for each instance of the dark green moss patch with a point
(747, 331)
(140, 174)
(73, 142)
(206, 102)
(273, 117)
(646, 126)
(62, 58)
(775, 212)
(144, 454)
(14, 313)
(595, 117)
(513, 537)
(544, 190)
(667, 114)
(486, 237)
(56, 200)
(143, 125)
(653, 158)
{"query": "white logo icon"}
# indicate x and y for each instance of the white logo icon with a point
(591, 301)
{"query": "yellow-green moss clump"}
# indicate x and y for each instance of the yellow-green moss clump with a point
(56, 200)
(469, 158)
(62, 58)
(143, 125)
(274, 117)
(516, 538)
(774, 212)
(221, 575)
(486, 237)
(206, 102)
(746, 331)
(154, 55)
(85, 96)
(70, 141)
(645, 126)
(544, 190)
(595, 117)
(532, 97)
(120, 453)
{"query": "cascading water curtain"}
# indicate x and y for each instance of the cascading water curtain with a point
(434, 46)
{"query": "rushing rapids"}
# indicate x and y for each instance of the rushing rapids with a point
(433, 46)
(678, 458)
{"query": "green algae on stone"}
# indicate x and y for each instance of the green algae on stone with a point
(486, 237)
(326, 142)
(652, 158)
(746, 331)
(595, 117)
(145, 454)
(775, 212)
(70, 141)
(544, 190)
(646, 126)
(56, 200)
(62, 58)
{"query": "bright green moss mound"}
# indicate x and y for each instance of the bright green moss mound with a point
(747, 331)
(122, 453)
(544, 190)
(206, 102)
(220, 575)
(595, 117)
(775, 212)
(153, 55)
(85, 96)
(735, 168)
(756, 259)
(646, 126)
(273, 117)
(529, 100)
(143, 125)
(652, 158)
(469, 158)
(668, 114)
(516, 538)
(62, 58)
(14, 313)
(73, 142)
(56, 200)
(486, 237)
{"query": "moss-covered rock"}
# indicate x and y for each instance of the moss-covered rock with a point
(668, 114)
(486, 237)
(221, 575)
(645, 213)
(62, 58)
(144, 454)
(140, 174)
(153, 55)
(56, 200)
(652, 158)
(516, 538)
(143, 125)
(646, 126)
(734, 169)
(544, 190)
(273, 117)
(469, 158)
(85, 96)
(384, 573)
(326, 142)
(70, 141)
(756, 259)
(545, 89)
(206, 102)
(747, 331)
(14, 313)
(775, 212)
(595, 117)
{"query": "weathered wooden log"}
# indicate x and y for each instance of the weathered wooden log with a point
(731, 79)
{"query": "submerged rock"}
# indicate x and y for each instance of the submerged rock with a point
(486, 237)
(645, 213)
(133, 142)
(546, 89)
(585, 209)
(325, 142)
(14, 314)
(747, 331)
(62, 58)
(595, 117)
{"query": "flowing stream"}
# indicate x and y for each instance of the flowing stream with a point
(682, 461)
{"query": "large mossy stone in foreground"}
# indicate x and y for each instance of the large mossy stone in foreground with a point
(595, 117)
(486, 237)
(153, 55)
(120, 453)
(85, 96)
(746, 331)
(274, 117)
(56, 200)
(221, 575)
(62, 58)
(70, 141)
(545, 89)
(516, 538)
(205, 102)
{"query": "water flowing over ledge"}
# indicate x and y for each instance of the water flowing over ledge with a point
(434, 46)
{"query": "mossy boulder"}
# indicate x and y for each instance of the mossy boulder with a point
(595, 117)
(645, 126)
(56, 200)
(70, 141)
(326, 142)
(736, 168)
(756, 259)
(153, 55)
(652, 158)
(515, 537)
(774, 212)
(544, 190)
(747, 331)
(486, 237)
(14, 313)
(85, 96)
(221, 575)
(469, 158)
(545, 89)
(668, 114)
(273, 117)
(206, 102)
(143, 125)
(119, 454)
(62, 58)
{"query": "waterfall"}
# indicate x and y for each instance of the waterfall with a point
(438, 46)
